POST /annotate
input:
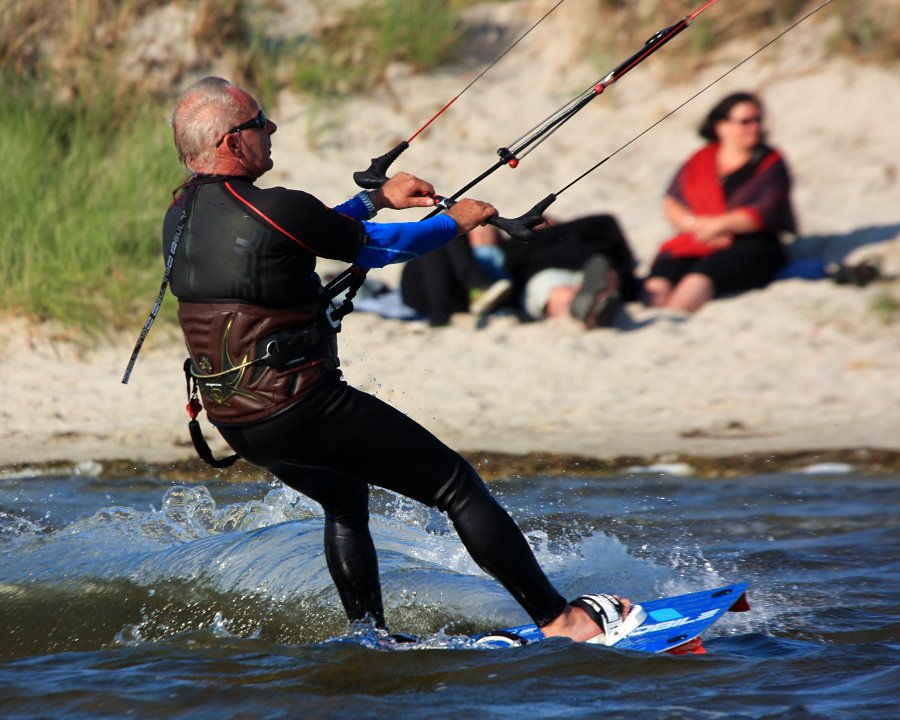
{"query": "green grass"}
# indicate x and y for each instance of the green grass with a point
(867, 29)
(886, 305)
(82, 211)
(353, 54)
(87, 180)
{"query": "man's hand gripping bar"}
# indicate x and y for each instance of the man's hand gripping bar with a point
(519, 228)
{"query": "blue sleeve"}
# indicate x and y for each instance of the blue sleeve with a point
(388, 243)
(355, 208)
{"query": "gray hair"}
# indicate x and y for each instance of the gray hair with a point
(204, 113)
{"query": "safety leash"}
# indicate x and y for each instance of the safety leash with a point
(167, 274)
(194, 408)
(188, 186)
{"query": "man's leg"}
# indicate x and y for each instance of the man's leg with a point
(349, 549)
(384, 446)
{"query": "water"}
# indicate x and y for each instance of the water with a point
(138, 597)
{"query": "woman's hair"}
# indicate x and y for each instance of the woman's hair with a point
(204, 113)
(723, 109)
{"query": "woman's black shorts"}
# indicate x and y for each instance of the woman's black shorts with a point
(751, 262)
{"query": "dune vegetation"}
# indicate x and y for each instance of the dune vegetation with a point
(86, 102)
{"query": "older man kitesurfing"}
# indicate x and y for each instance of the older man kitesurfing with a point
(263, 349)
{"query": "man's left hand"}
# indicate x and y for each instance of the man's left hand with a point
(403, 191)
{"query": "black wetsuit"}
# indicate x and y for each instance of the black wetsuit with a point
(439, 284)
(570, 245)
(249, 250)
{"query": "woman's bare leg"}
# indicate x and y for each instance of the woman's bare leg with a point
(692, 293)
(657, 291)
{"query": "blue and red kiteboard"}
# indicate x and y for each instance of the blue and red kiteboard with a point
(666, 625)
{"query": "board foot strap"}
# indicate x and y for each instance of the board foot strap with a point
(606, 611)
(501, 638)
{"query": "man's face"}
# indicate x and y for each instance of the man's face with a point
(254, 143)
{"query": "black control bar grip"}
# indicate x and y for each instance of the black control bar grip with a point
(521, 228)
(375, 175)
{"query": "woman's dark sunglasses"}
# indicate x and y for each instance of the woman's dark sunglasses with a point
(260, 121)
(748, 121)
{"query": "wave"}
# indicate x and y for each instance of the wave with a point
(257, 570)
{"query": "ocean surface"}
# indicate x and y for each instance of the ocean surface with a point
(146, 598)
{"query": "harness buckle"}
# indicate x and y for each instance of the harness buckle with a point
(335, 322)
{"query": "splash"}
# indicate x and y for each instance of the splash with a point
(191, 568)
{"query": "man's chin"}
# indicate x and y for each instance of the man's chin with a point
(263, 170)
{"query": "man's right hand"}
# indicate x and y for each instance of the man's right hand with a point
(470, 213)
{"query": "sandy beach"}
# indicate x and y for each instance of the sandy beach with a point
(799, 366)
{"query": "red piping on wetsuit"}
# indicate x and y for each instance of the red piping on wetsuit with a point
(267, 219)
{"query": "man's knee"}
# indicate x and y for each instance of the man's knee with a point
(463, 484)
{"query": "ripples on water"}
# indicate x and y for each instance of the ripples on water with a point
(139, 597)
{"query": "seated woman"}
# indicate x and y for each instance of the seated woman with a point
(730, 203)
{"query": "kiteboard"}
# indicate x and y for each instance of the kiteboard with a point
(672, 624)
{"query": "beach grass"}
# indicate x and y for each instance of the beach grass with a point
(89, 163)
(353, 53)
(80, 238)
(886, 305)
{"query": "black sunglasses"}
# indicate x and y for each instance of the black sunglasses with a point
(748, 121)
(260, 121)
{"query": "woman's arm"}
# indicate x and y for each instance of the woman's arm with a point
(711, 229)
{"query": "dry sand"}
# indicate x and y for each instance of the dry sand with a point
(798, 366)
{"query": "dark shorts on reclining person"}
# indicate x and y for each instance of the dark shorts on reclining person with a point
(338, 440)
(751, 262)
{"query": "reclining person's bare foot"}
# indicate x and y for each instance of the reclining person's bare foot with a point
(598, 301)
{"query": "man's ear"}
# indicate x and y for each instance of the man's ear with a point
(234, 144)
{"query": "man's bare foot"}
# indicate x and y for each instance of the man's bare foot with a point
(575, 624)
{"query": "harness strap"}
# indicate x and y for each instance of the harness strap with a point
(350, 280)
(194, 407)
(296, 352)
(276, 357)
(151, 318)
(189, 186)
